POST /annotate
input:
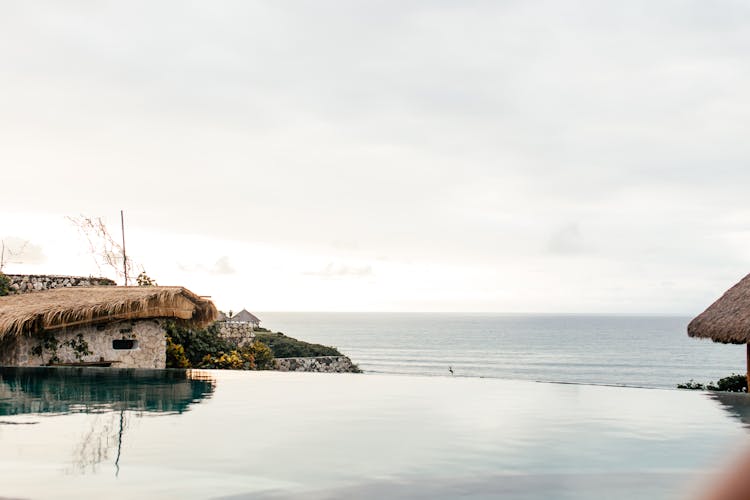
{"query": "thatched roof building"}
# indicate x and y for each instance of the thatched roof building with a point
(728, 319)
(107, 326)
(245, 316)
(68, 307)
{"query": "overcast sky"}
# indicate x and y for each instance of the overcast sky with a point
(510, 156)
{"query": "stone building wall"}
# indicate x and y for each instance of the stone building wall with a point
(148, 352)
(240, 334)
(25, 283)
(321, 364)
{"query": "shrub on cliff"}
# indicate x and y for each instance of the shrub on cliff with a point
(264, 358)
(288, 347)
(233, 360)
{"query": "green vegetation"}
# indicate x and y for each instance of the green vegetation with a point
(233, 360)
(79, 346)
(176, 355)
(197, 343)
(264, 358)
(49, 343)
(732, 383)
(4, 285)
(144, 279)
(288, 347)
(204, 348)
(256, 356)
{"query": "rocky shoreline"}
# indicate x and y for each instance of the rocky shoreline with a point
(320, 364)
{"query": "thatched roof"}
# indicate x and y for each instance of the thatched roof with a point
(245, 316)
(79, 306)
(728, 319)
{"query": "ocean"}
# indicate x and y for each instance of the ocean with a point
(627, 350)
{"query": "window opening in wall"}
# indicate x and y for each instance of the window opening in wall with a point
(124, 344)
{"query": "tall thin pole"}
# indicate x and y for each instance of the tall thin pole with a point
(119, 442)
(124, 255)
(748, 368)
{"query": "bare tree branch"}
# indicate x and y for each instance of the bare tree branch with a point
(104, 249)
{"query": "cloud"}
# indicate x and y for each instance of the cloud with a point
(222, 266)
(566, 241)
(439, 132)
(341, 271)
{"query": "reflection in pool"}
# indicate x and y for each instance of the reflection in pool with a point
(87, 390)
(277, 435)
(112, 394)
(736, 404)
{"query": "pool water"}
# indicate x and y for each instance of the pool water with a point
(94, 433)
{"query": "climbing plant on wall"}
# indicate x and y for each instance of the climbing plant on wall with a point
(49, 343)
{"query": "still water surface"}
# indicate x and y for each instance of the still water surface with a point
(102, 433)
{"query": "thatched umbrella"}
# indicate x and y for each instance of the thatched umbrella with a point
(727, 320)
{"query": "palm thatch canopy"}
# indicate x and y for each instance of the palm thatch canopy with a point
(80, 306)
(728, 319)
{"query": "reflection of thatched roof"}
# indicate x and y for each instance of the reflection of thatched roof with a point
(65, 307)
(736, 404)
(245, 316)
(728, 319)
(85, 390)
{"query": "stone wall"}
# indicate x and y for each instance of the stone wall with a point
(148, 352)
(240, 334)
(322, 364)
(25, 283)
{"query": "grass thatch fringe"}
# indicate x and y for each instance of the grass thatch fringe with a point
(77, 306)
(728, 319)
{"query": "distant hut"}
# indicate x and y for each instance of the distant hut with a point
(244, 316)
(120, 326)
(727, 320)
(221, 316)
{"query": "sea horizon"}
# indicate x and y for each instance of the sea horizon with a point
(600, 349)
(488, 313)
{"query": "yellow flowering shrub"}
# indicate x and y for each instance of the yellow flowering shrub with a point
(233, 360)
(176, 355)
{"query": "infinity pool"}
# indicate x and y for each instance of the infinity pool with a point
(102, 433)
